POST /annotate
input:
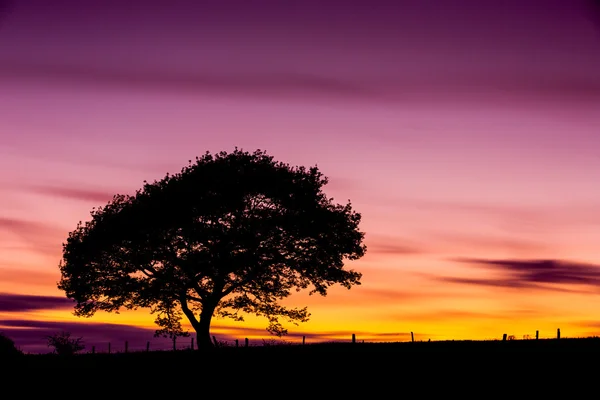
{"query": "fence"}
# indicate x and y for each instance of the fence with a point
(177, 344)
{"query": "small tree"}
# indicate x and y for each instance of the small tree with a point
(169, 321)
(231, 233)
(7, 346)
(64, 345)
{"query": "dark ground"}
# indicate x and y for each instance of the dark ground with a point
(333, 353)
(567, 368)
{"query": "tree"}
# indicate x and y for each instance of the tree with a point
(8, 347)
(64, 345)
(230, 234)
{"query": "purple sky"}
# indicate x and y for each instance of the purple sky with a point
(461, 130)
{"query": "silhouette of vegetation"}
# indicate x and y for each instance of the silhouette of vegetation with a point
(64, 345)
(169, 321)
(231, 234)
(7, 346)
(252, 362)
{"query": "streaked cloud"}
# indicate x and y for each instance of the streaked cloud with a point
(30, 335)
(17, 303)
(535, 274)
(446, 315)
(39, 237)
(293, 85)
(456, 241)
(283, 84)
(88, 195)
(509, 216)
(23, 277)
(392, 248)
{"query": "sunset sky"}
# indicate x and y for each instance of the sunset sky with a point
(466, 133)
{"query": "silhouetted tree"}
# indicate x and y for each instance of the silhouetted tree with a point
(232, 233)
(7, 346)
(169, 321)
(64, 345)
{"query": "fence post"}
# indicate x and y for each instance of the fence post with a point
(192, 343)
(237, 343)
(504, 337)
(215, 341)
(126, 346)
(93, 349)
(174, 343)
(147, 346)
(246, 342)
(303, 340)
(412, 336)
(558, 333)
(353, 338)
(537, 335)
(108, 347)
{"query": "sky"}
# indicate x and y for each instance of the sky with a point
(466, 133)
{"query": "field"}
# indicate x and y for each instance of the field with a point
(476, 369)
(334, 354)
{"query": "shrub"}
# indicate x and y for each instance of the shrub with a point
(274, 342)
(7, 346)
(64, 345)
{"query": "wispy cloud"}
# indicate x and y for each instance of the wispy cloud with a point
(510, 217)
(88, 195)
(22, 277)
(16, 303)
(446, 315)
(392, 249)
(26, 229)
(289, 84)
(537, 274)
(282, 84)
(454, 241)
(38, 236)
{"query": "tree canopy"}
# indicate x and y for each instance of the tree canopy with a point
(230, 234)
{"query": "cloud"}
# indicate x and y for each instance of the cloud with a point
(538, 274)
(27, 229)
(88, 195)
(457, 315)
(391, 296)
(452, 241)
(14, 303)
(38, 236)
(511, 217)
(392, 249)
(24, 277)
(267, 84)
(326, 336)
(390, 245)
(287, 84)
(30, 335)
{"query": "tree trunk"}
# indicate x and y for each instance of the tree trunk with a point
(203, 329)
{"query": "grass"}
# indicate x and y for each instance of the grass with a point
(335, 354)
(438, 369)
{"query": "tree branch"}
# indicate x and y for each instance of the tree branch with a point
(188, 313)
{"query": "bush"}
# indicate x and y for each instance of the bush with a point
(274, 342)
(64, 345)
(7, 346)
